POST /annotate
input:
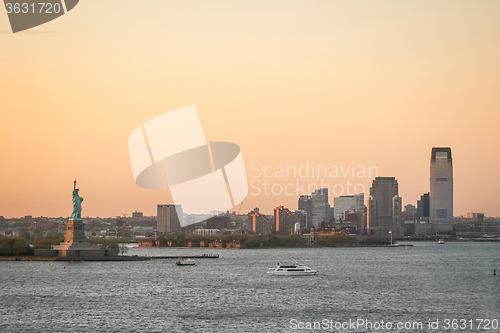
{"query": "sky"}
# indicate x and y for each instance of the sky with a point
(338, 84)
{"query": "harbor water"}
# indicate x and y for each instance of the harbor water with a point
(426, 283)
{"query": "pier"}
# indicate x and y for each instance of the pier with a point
(203, 256)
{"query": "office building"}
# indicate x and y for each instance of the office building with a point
(441, 194)
(348, 203)
(305, 204)
(397, 219)
(381, 207)
(320, 206)
(423, 207)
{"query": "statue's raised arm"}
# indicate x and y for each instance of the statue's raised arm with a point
(77, 204)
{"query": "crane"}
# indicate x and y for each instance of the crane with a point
(241, 205)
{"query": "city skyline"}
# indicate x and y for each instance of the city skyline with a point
(323, 192)
(348, 203)
(326, 82)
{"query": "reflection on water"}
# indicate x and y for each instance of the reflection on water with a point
(234, 293)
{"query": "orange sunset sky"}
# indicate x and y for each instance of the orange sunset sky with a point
(340, 83)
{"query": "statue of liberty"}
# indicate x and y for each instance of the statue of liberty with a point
(77, 204)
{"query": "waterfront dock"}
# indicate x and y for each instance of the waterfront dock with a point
(203, 256)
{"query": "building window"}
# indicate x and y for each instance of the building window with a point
(441, 213)
(441, 154)
(441, 179)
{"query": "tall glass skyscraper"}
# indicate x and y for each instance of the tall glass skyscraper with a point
(320, 206)
(441, 195)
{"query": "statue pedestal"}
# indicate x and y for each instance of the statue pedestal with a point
(75, 243)
(75, 232)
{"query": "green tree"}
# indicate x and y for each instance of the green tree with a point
(46, 242)
(15, 246)
(39, 235)
(161, 238)
(253, 242)
(24, 234)
(181, 239)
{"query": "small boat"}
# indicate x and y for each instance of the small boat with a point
(185, 262)
(441, 241)
(294, 269)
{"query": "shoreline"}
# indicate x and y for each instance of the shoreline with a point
(34, 258)
(114, 258)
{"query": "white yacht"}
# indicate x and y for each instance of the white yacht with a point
(294, 269)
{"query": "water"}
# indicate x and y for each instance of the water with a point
(233, 294)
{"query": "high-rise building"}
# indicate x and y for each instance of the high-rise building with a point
(423, 207)
(259, 223)
(168, 220)
(320, 206)
(284, 221)
(330, 213)
(381, 208)
(348, 203)
(384, 189)
(300, 218)
(371, 213)
(397, 204)
(305, 204)
(441, 194)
